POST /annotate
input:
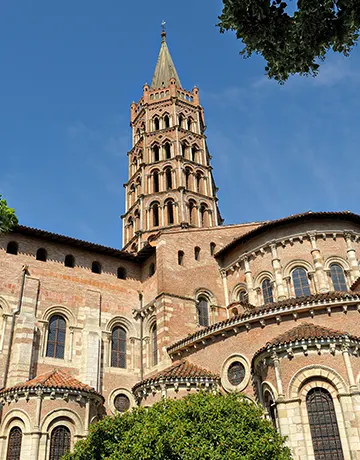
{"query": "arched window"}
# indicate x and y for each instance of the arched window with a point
(300, 281)
(181, 120)
(69, 261)
(121, 273)
(168, 176)
(323, 425)
(167, 148)
(187, 177)
(154, 345)
(234, 312)
(189, 123)
(118, 347)
(152, 269)
(60, 442)
(202, 307)
(12, 248)
(243, 296)
(212, 248)
(41, 254)
(170, 212)
(270, 407)
(267, 291)
(96, 267)
(180, 257)
(156, 152)
(156, 124)
(155, 214)
(14, 444)
(167, 121)
(197, 253)
(338, 277)
(56, 337)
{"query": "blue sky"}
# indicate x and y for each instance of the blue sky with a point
(70, 69)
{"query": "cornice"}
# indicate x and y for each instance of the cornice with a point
(260, 317)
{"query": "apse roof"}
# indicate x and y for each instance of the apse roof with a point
(55, 378)
(306, 216)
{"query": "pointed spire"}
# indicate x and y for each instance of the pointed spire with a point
(165, 68)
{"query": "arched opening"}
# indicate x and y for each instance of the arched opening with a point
(60, 442)
(181, 120)
(12, 248)
(155, 181)
(56, 337)
(14, 444)
(301, 282)
(154, 345)
(193, 154)
(156, 153)
(180, 257)
(212, 248)
(170, 212)
(156, 124)
(167, 121)
(323, 425)
(338, 277)
(96, 267)
(270, 407)
(118, 347)
(189, 124)
(130, 227)
(152, 269)
(41, 255)
(155, 214)
(197, 253)
(202, 307)
(234, 312)
(121, 273)
(69, 261)
(198, 182)
(167, 148)
(183, 149)
(203, 215)
(192, 211)
(267, 291)
(187, 178)
(168, 176)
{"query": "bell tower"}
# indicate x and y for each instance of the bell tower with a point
(170, 177)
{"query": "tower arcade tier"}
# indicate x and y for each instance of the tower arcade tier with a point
(170, 177)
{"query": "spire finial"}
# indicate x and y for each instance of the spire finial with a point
(163, 31)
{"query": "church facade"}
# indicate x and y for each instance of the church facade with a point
(271, 309)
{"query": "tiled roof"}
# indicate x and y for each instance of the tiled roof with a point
(180, 370)
(356, 285)
(251, 311)
(306, 216)
(53, 379)
(306, 331)
(98, 248)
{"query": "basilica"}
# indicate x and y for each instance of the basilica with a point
(271, 309)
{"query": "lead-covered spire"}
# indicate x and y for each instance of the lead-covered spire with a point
(165, 68)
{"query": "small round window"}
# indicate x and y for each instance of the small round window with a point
(236, 373)
(122, 403)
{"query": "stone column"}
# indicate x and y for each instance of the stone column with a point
(226, 290)
(281, 295)
(349, 369)
(249, 282)
(36, 434)
(351, 256)
(319, 265)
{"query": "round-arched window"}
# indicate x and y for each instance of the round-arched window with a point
(122, 403)
(236, 373)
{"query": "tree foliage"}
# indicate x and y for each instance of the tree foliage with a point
(8, 219)
(201, 426)
(292, 43)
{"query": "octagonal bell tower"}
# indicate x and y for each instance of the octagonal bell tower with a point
(170, 181)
